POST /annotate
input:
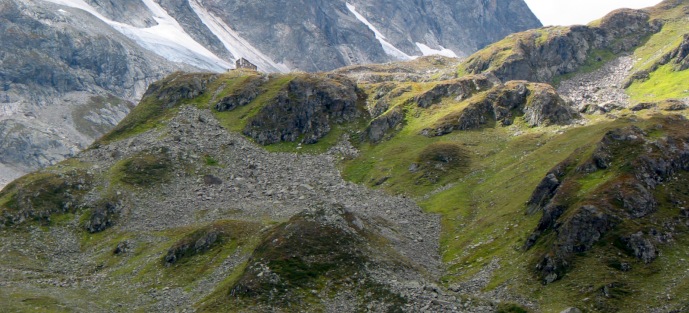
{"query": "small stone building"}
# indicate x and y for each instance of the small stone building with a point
(244, 63)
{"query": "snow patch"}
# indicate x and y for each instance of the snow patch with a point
(167, 39)
(426, 50)
(387, 47)
(233, 42)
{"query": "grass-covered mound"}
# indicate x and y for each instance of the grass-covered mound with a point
(315, 256)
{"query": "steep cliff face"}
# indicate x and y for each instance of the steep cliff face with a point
(313, 35)
(323, 35)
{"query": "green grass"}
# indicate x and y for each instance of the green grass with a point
(664, 83)
(210, 161)
(145, 169)
(482, 206)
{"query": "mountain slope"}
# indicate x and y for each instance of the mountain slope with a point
(67, 79)
(224, 192)
(71, 69)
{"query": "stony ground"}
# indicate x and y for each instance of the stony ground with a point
(604, 86)
(249, 184)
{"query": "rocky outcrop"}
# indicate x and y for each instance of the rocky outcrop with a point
(249, 90)
(305, 110)
(179, 86)
(640, 247)
(634, 166)
(382, 124)
(103, 216)
(39, 196)
(198, 242)
(680, 56)
(459, 89)
(328, 243)
(537, 104)
(543, 54)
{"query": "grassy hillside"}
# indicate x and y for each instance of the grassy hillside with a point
(454, 138)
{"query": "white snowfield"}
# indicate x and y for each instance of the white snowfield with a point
(426, 50)
(167, 39)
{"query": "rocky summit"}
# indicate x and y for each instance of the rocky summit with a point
(547, 172)
(70, 70)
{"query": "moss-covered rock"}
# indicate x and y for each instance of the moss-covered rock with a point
(40, 195)
(146, 169)
(103, 215)
(440, 158)
(305, 110)
(541, 55)
(538, 104)
(327, 249)
(612, 194)
(458, 89)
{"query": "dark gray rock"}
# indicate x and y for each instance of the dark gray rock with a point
(587, 226)
(382, 124)
(545, 107)
(459, 89)
(672, 105)
(643, 106)
(102, 217)
(636, 199)
(305, 109)
(134, 13)
(180, 86)
(247, 93)
(193, 244)
(544, 192)
(212, 180)
(640, 247)
(122, 248)
(681, 55)
(333, 37)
